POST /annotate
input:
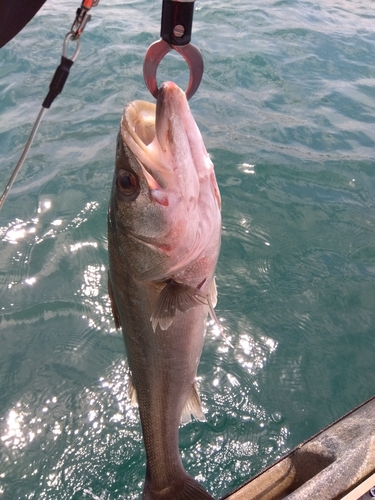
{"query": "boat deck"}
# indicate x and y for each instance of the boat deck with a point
(337, 463)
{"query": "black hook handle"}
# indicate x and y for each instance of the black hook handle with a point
(177, 21)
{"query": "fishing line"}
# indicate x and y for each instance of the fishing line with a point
(57, 82)
(23, 157)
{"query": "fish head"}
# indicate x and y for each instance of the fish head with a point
(165, 202)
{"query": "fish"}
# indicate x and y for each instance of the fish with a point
(164, 224)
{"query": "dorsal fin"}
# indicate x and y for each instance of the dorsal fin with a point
(115, 313)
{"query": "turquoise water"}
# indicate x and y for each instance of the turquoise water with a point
(287, 111)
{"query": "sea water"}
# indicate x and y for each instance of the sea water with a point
(287, 111)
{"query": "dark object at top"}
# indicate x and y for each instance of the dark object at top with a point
(176, 21)
(14, 15)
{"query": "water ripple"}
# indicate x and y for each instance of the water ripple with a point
(286, 109)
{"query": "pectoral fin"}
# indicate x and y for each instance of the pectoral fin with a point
(173, 297)
(115, 313)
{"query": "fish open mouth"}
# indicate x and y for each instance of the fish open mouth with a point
(138, 132)
(140, 121)
(160, 135)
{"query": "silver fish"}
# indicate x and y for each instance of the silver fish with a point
(163, 241)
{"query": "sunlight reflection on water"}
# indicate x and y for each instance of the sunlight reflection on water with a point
(286, 110)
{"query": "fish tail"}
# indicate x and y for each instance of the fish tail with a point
(186, 489)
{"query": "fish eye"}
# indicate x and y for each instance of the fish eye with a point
(127, 184)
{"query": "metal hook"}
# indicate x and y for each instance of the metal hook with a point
(155, 54)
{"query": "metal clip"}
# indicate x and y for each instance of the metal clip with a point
(175, 32)
(155, 54)
(82, 18)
